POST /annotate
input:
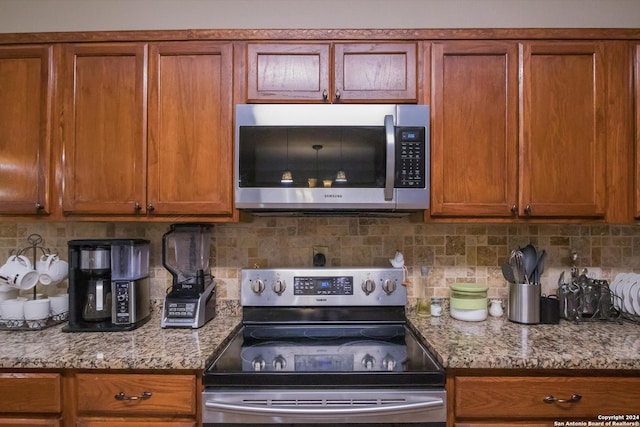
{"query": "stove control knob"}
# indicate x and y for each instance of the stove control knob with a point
(389, 286)
(279, 286)
(258, 364)
(369, 362)
(257, 286)
(389, 363)
(279, 363)
(368, 286)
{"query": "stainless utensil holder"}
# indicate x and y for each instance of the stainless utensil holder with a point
(524, 303)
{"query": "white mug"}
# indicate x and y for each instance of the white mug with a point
(52, 269)
(59, 304)
(18, 272)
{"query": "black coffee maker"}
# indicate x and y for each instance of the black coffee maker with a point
(109, 286)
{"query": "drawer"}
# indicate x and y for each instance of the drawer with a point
(30, 393)
(523, 397)
(139, 394)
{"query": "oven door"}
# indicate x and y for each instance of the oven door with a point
(331, 157)
(301, 407)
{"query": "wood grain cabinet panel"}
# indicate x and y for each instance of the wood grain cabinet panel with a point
(190, 128)
(26, 86)
(637, 126)
(168, 394)
(125, 422)
(332, 72)
(104, 128)
(30, 399)
(474, 129)
(563, 130)
(523, 398)
(168, 155)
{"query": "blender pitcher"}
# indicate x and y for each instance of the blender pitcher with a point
(185, 253)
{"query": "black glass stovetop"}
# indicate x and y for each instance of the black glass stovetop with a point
(325, 356)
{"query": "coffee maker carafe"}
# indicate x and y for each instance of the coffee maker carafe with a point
(95, 271)
(108, 285)
(190, 302)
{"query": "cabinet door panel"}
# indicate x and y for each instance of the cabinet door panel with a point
(170, 395)
(30, 393)
(637, 127)
(522, 398)
(563, 130)
(129, 422)
(190, 128)
(287, 72)
(104, 135)
(375, 71)
(474, 128)
(25, 115)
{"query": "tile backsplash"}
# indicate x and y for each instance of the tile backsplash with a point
(451, 253)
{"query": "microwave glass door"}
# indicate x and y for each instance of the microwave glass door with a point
(312, 156)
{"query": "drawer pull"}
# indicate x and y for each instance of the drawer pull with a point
(574, 398)
(144, 396)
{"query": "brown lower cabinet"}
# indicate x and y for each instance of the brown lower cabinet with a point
(529, 398)
(99, 398)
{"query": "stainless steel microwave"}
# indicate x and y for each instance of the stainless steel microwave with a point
(331, 158)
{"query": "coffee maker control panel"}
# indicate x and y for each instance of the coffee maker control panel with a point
(122, 303)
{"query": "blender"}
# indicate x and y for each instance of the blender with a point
(190, 302)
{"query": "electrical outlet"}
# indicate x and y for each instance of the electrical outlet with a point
(324, 250)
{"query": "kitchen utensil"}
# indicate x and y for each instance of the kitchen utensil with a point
(530, 255)
(518, 266)
(507, 272)
(537, 274)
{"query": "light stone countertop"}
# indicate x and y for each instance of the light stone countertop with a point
(148, 347)
(493, 343)
(500, 343)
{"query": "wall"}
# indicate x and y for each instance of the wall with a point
(93, 15)
(452, 252)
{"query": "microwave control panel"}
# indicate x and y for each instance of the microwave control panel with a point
(410, 157)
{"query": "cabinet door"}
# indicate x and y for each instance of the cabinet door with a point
(190, 128)
(25, 115)
(104, 130)
(474, 128)
(375, 72)
(286, 72)
(562, 159)
(637, 126)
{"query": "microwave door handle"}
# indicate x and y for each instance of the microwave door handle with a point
(390, 132)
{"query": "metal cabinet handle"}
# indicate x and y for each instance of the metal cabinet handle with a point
(514, 209)
(325, 94)
(137, 206)
(338, 95)
(574, 398)
(527, 210)
(39, 206)
(150, 207)
(144, 396)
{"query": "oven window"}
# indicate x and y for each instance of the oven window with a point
(315, 156)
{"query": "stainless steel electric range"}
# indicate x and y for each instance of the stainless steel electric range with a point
(324, 346)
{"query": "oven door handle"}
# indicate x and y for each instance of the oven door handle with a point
(375, 410)
(390, 132)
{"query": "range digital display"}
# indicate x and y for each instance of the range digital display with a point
(332, 285)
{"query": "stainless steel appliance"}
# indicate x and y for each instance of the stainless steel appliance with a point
(324, 346)
(190, 303)
(108, 284)
(308, 158)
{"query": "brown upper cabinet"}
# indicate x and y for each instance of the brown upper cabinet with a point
(168, 154)
(563, 130)
(637, 127)
(528, 146)
(26, 90)
(474, 129)
(332, 72)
